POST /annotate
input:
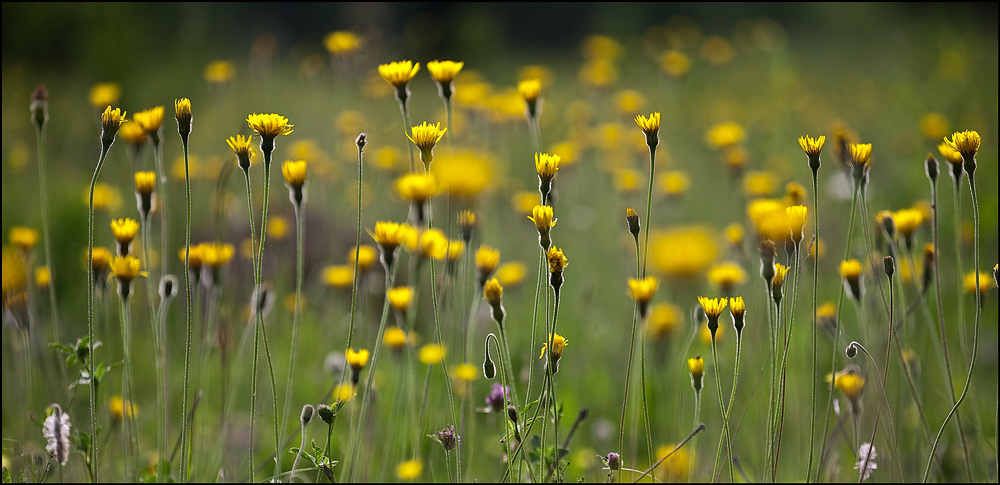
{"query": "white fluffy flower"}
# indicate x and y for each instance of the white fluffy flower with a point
(56, 431)
(866, 460)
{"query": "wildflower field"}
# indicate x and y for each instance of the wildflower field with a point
(456, 243)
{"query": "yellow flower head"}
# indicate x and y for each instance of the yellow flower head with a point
(43, 276)
(389, 235)
(111, 121)
(366, 256)
(724, 135)
(908, 221)
(431, 354)
(683, 253)
(425, 137)
(546, 165)
(559, 343)
(556, 258)
(674, 183)
(455, 250)
(151, 120)
(812, 146)
(650, 126)
(696, 366)
(133, 133)
(734, 234)
(826, 314)
(193, 257)
(268, 126)
(950, 154)
(850, 383)
(759, 183)
(850, 269)
(416, 188)
(969, 282)
(340, 276)
(216, 254)
(106, 197)
(398, 73)
(431, 243)
(530, 89)
(24, 238)
(357, 359)
(395, 338)
(713, 306)
(511, 274)
(726, 276)
(487, 259)
(466, 372)
(466, 221)
(642, 291)
(737, 307)
(399, 298)
(220, 72)
(542, 216)
(493, 291)
(125, 268)
(861, 154)
(796, 221)
(409, 470)
(444, 72)
(117, 406)
(778, 279)
(145, 182)
(965, 142)
(663, 321)
(182, 113)
(795, 194)
(342, 42)
(103, 94)
(294, 172)
(124, 231)
(243, 149)
(100, 259)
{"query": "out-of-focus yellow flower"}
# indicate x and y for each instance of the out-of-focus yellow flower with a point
(386, 158)
(675, 63)
(769, 218)
(642, 291)
(366, 256)
(431, 243)
(416, 188)
(682, 252)
(145, 182)
(118, 407)
(465, 174)
(734, 234)
(13, 270)
(735, 157)
(627, 180)
(357, 359)
(43, 277)
(455, 250)
(970, 282)
(569, 152)
(524, 201)
(796, 221)
(339, 276)
(599, 73)
(759, 184)
(269, 126)
(543, 218)
(444, 72)
(399, 298)
(852, 384)
(150, 120)
(409, 470)
(596, 47)
(133, 133)
(294, 172)
(425, 137)
(907, 221)
(675, 468)
(629, 101)
(726, 276)
(389, 235)
(431, 354)
(24, 238)
(104, 94)
(216, 254)
(934, 126)
(278, 227)
(663, 321)
(395, 338)
(106, 197)
(342, 42)
(949, 154)
(724, 135)
(466, 372)
(860, 155)
(398, 73)
(343, 392)
(705, 335)
(487, 259)
(717, 50)
(124, 231)
(674, 183)
(795, 194)
(530, 90)
(511, 274)
(220, 72)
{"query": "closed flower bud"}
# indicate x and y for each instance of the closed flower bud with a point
(696, 366)
(182, 112)
(361, 141)
(889, 266)
(931, 168)
(614, 461)
(307, 414)
(325, 413)
(633, 221)
(40, 106)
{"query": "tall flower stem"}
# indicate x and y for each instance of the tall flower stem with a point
(188, 311)
(815, 307)
(256, 339)
(959, 263)
(506, 398)
(296, 314)
(161, 376)
(90, 311)
(549, 390)
(162, 206)
(128, 402)
(260, 315)
(649, 207)
(975, 337)
(405, 111)
(726, 437)
(43, 195)
(732, 396)
(628, 374)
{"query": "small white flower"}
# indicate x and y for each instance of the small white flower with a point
(56, 431)
(866, 460)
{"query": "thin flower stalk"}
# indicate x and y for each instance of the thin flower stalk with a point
(182, 110)
(296, 314)
(40, 118)
(813, 147)
(128, 378)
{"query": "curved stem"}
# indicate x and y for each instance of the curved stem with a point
(90, 314)
(503, 418)
(296, 313)
(725, 438)
(188, 312)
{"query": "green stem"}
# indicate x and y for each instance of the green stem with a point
(649, 207)
(815, 306)
(256, 339)
(128, 409)
(357, 252)
(43, 195)
(154, 320)
(726, 437)
(404, 109)
(188, 312)
(296, 313)
(90, 312)
(628, 379)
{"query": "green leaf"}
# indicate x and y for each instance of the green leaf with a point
(6, 475)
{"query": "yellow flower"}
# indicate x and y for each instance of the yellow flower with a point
(676, 467)
(455, 250)
(24, 238)
(684, 252)
(556, 258)
(145, 182)
(713, 306)
(431, 354)
(100, 260)
(395, 338)
(724, 134)
(969, 282)
(444, 72)
(559, 343)
(796, 221)
(124, 231)
(778, 280)
(343, 392)
(759, 184)
(651, 125)
(511, 274)
(416, 188)
(642, 291)
(950, 154)
(734, 234)
(277, 227)
(357, 359)
(530, 89)
(117, 406)
(106, 197)
(244, 151)
(907, 221)
(934, 126)
(425, 136)
(861, 154)
(220, 72)
(43, 277)
(13, 270)
(182, 113)
(546, 165)
(366, 256)
(487, 259)
(339, 276)
(103, 94)
(737, 307)
(675, 63)
(795, 194)
(663, 321)
(125, 268)
(268, 126)
(342, 42)
(812, 146)
(431, 243)
(826, 314)
(466, 372)
(194, 257)
(389, 235)
(965, 142)
(466, 222)
(493, 291)
(726, 276)
(150, 120)
(111, 121)
(674, 183)
(464, 174)
(543, 218)
(769, 218)
(696, 366)
(216, 254)
(133, 133)
(409, 470)
(398, 73)
(524, 201)
(850, 269)
(629, 101)
(399, 298)
(850, 383)
(294, 172)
